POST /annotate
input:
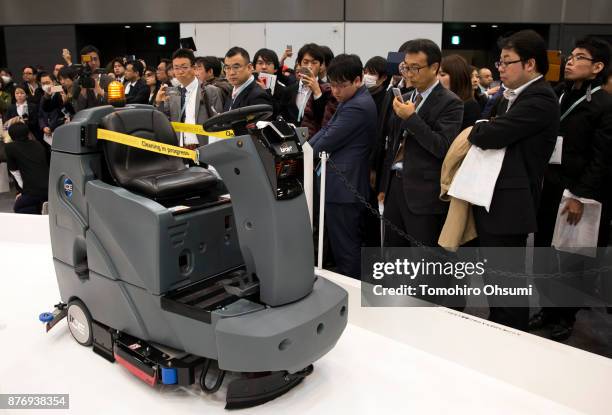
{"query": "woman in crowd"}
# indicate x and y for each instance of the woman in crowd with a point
(152, 83)
(478, 95)
(455, 75)
(5, 99)
(22, 110)
(27, 163)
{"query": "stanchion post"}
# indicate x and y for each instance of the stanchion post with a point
(324, 156)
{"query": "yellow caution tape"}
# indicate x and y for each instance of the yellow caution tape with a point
(198, 129)
(148, 145)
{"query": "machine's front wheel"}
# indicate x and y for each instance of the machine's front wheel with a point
(79, 323)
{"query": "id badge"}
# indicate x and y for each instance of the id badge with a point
(556, 155)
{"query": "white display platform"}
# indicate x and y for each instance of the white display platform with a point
(388, 361)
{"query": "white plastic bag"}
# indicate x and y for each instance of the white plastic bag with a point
(475, 179)
(578, 239)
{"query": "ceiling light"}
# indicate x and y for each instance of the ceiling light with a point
(127, 27)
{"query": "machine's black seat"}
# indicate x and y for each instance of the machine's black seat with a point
(151, 174)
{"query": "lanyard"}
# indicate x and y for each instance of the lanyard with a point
(570, 109)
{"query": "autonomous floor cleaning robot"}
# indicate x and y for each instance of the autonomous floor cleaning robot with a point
(183, 273)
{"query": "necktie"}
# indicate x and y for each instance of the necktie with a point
(183, 99)
(400, 151)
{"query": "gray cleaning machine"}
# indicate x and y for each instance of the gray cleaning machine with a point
(185, 273)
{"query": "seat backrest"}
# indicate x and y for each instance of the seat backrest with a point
(127, 163)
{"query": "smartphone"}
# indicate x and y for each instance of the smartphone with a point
(494, 84)
(303, 70)
(289, 47)
(130, 57)
(398, 94)
(56, 88)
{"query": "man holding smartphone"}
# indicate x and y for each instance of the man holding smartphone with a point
(421, 132)
(309, 102)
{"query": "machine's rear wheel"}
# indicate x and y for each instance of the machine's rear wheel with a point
(79, 323)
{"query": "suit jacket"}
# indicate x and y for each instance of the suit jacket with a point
(32, 118)
(528, 131)
(209, 104)
(347, 137)
(139, 93)
(428, 134)
(253, 94)
(585, 162)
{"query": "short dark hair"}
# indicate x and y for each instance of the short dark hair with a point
(149, 68)
(67, 72)
(7, 70)
(460, 76)
(345, 67)
(183, 53)
(32, 67)
(427, 46)
(328, 54)
(166, 61)
(268, 55)
(211, 62)
(599, 50)
(137, 66)
(313, 50)
(237, 50)
(528, 44)
(119, 60)
(378, 65)
(41, 74)
(89, 49)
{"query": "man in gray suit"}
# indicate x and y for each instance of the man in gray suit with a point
(194, 104)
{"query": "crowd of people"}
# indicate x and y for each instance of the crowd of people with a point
(387, 127)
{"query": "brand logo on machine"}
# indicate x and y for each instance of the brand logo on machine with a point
(68, 187)
(286, 148)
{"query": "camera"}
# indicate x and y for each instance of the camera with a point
(85, 73)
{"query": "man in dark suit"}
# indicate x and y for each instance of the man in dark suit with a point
(246, 91)
(347, 139)
(586, 131)
(526, 125)
(136, 91)
(422, 132)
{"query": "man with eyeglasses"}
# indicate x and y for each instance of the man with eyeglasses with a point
(31, 86)
(526, 125)
(192, 105)
(423, 127)
(238, 71)
(586, 144)
(347, 138)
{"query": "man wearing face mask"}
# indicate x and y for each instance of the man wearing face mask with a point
(375, 79)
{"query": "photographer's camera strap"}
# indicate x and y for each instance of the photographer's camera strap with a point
(148, 145)
(181, 127)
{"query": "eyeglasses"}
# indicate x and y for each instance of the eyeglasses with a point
(233, 68)
(504, 64)
(28, 73)
(413, 69)
(577, 58)
(261, 62)
(181, 68)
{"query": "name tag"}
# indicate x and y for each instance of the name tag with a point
(556, 155)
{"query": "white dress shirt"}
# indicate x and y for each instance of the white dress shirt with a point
(191, 101)
(512, 94)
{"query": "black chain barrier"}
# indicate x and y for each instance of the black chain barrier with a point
(415, 243)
